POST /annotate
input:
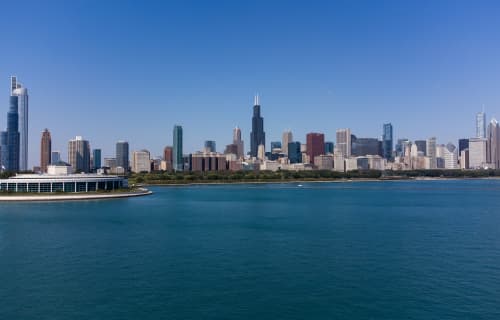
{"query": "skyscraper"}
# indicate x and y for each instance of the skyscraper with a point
(122, 155)
(431, 152)
(9, 139)
(344, 142)
(462, 145)
(481, 125)
(285, 140)
(22, 107)
(315, 145)
(210, 146)
(97, 157)
(257, 136)
(478, 150)
(79, 154)
(421, 146)
(387, 141)
(178, 161)
(238, 142)
(494, 143)
(275, 145)
(329, 147)
(294, 154)
(141, 161)
(450, 156)
(168, 157)
(45, 150)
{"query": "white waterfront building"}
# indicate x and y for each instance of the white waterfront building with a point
(59, 179)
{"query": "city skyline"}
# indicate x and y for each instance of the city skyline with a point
(349, 67)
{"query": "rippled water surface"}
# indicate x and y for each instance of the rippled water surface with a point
(361, 250)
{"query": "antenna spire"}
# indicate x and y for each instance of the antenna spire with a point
(256, 100)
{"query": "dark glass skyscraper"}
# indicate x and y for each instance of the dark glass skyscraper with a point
(329, 147)
(387, 141)
(210, 146)
(257, 136)
(178, 160)
(462, 145)
(421, 146)
(122, 154)
(294, 154)
(96, 156)
(10, 139)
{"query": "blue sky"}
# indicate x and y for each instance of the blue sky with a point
(111, 70)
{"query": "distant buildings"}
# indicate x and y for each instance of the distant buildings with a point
(55, 157)
(9, 139)
(493, 151)
(122, 154)
(45, 151)
(96, 159)
(387, 141)
(238, 142)
(462, 145)
(421, 146)
(431, 152)
(286, 138)
(141, 161)
(329, 147)
(344, 142)
(79, 154)
(481, 125)
(365, 146)
(210, 146)
(315, 145)
(294, 154)
(168, 158)
(450, 156)
(213, 161)
(178, 161)
(22, 106)
(257, 136)
(477, 153)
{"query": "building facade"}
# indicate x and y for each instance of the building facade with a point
(478, 153)
(238, 142)
(96, 159)
(210, 146)
(344, 142)
(168, 152)
(294, 153)
(387, 141)
(23, 110)
(122, 155)
(493, 135)
(315, 145)
(257, 136)
(79, 154)
(10, 139)
(178, 161)
(481, 125)
(45, 151)
(141, 161)
(431, 152)
(286, 138)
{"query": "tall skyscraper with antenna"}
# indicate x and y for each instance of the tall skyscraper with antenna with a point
(257, 136)
(22, 108)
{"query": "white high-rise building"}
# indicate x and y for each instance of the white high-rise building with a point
(477, 153)
(344, 142)
(22, 95)
(431, 152)
(286, 139)
(481, 125)
(141, 161)
(261, 152)
(450, 156)
(494, 143)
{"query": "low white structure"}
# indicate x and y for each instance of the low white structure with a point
(47, 183)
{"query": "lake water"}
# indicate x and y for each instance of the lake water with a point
(361, 250)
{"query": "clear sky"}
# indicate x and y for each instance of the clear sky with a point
(111, 70)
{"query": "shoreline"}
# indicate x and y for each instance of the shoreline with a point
(315, 181)
(72, 196)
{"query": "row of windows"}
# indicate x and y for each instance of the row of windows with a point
(61, 186)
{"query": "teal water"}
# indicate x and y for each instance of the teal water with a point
(374, 250)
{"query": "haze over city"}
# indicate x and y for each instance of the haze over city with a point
(134, 73)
